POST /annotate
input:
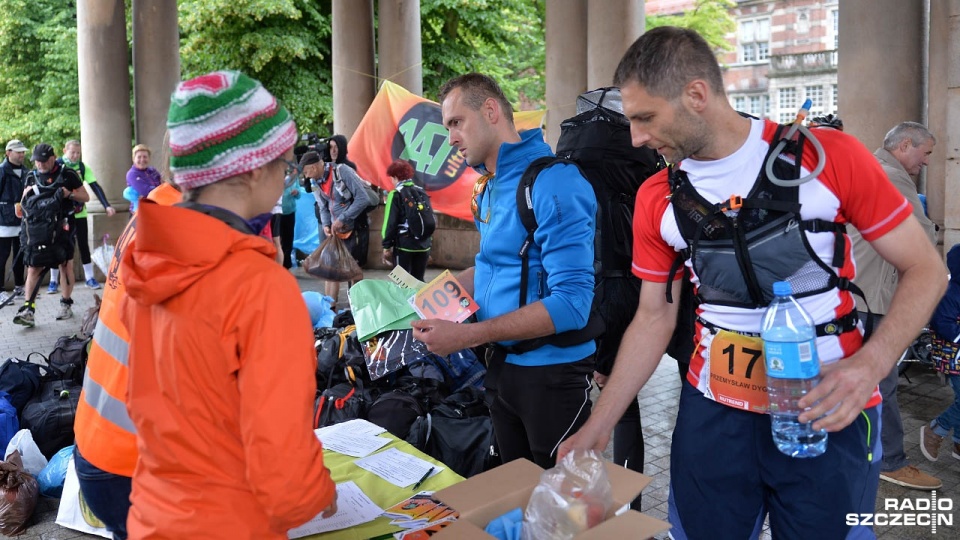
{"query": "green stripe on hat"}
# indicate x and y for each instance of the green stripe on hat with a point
(253, 135)
(191, 107)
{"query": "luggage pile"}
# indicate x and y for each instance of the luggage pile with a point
(41, 394)
(38, 403)
(435, 403)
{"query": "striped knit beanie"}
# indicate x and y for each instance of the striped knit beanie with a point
(223, 124)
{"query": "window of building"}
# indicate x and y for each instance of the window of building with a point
(787, 105)
(815, 95)
(788, 99)
(757, 107)
(740, 103)
(833, 33)
(836, 99)
(803, 21)
(754, 40)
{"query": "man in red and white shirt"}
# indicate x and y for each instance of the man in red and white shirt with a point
(726, 473)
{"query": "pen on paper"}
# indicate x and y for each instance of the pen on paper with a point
(424, 477)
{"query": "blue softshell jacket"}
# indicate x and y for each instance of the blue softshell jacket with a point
(561, 261)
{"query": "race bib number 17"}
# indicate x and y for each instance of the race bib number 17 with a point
(737, 375)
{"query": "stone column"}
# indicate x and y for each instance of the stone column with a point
(156, 69)
(612, 26)
(879, 80)
(943, 173)
(399, 50)
(566, 38)
(105, 131)
(353, 72)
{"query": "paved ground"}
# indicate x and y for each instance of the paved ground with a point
(921, 398)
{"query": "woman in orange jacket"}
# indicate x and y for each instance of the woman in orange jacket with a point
(222, 362)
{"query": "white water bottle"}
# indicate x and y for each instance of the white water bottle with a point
(793, 369)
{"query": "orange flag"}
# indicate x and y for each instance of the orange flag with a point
(401, 125)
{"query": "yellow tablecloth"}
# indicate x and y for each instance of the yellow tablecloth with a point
(381, 492)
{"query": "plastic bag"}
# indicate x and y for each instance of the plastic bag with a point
(30, 456)
(74, 512)
(52, 476)
(103, 255)
(390, 351)
(379, 306)
(18, 495)
(89, 323)
(570, 498)
(318, 305)
(332, 260)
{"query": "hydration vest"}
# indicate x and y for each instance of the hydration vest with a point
(740, 247)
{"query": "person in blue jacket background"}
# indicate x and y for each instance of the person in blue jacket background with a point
(538, 397)
(945, 324)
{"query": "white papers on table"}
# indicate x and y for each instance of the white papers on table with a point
(353, 508)
(398, 468)
(357, 438)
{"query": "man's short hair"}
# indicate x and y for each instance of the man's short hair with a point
(309, 158)
(665, 59)
(71, 142)
(476, 89)
(917, 133)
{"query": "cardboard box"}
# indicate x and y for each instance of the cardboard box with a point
(486, 496)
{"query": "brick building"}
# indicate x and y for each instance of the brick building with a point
(784, 51)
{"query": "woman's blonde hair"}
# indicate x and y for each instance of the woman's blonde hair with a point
(140, 148)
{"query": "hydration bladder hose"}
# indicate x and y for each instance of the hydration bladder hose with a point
(821, 156)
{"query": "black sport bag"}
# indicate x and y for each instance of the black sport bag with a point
(20, 379)
(49, 415)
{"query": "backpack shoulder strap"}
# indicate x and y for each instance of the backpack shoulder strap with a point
(527, 217)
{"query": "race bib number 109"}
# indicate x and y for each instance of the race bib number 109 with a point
(444, 298)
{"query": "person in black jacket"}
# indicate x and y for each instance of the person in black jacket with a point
(12, 173)
(399, 246)
(49, 176)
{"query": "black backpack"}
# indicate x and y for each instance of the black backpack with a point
(417, 211)
(43, 218)
(597, 141)
(68, 360)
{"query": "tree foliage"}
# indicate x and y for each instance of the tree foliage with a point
(501, 38)
(710, 18)
(285, 44)
(39, 99)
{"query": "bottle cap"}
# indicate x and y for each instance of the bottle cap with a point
(782, 288)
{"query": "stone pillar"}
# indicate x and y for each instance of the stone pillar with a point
(399, 50)
(612, 26)
(879, 82)
(105, 131)
(354, 80)
(156, 68)
(943, 173)
(566, 38)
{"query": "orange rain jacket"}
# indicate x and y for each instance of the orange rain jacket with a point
(221, 383)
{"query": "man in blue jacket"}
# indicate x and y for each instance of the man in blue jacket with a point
(541, 396)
